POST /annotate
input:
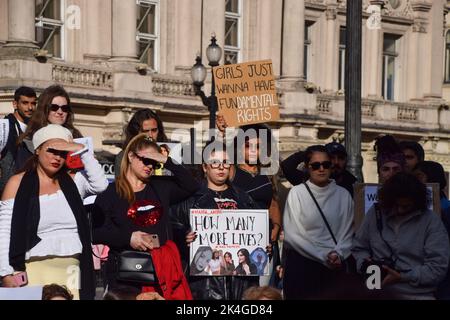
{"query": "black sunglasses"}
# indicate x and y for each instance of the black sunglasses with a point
(61, 153)
(316, 165)
(54, 107)
(147, 162)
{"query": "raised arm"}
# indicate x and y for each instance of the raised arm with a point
(92, 179)
(289, 168)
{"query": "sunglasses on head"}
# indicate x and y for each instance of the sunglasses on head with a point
(147, 162)
(316, 165)
(61, 153)
(55, 107)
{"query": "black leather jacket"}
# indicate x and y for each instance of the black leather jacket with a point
(209, 287)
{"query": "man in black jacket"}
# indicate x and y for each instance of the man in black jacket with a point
(338, 156)
(24, 104)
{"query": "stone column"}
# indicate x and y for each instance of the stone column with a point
(213, 22)
(98, 30)
(21, 29)
(124, 47)
(331, 65)
(293, 40)
(188, 33)
(422, 36)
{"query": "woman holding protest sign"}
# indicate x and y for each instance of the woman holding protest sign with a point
(217, 192)
(133, 214)
(253, 142)
(318, 220)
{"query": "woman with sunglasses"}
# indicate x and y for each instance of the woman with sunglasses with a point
(217, 192)
(43, 225)
(247, 175)
(316, 253)
(143, 121)
(136, 206)
(53, 108)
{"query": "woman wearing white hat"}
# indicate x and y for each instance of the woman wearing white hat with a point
(43, 226)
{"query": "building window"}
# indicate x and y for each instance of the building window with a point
(342, 39)
(389, 64)
(447, 58)
(49, 26)
(232, 46)
(147, 32)
(307, 48)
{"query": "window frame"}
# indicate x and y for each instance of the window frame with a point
(447, 57)
(342, 49)
(43, 22)
(238, 18)
(386, 57)
(149, 37)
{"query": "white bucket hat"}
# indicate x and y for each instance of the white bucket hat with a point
(51, 131)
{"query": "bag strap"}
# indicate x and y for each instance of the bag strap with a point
(321, 213)
(380, 229)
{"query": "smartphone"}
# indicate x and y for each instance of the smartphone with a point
(21, 278)
(155, 240)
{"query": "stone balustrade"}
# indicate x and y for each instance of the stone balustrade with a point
(163, 85)
(82, 76)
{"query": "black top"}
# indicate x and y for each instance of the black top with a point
(113, 227)
(258, 187)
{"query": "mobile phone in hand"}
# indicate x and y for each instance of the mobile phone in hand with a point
(155, 240)
(21, 279)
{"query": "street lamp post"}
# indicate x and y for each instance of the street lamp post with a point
(353, 88)
(198, 75)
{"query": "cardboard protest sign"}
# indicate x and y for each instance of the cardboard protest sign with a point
(246, 93)
(229, 242)
(366, 194)
(4, 133)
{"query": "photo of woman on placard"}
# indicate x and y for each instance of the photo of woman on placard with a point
(227, 266)
(245, 267)
(200, 262)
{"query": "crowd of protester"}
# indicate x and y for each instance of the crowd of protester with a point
(315, 249)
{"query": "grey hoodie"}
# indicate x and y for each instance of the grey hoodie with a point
(419, 244)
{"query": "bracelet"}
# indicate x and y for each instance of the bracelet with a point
(276, 224)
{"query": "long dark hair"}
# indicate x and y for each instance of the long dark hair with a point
(246, 255)
(403, 185)
(40, 115)
(134, 126)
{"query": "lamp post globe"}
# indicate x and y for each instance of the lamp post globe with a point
(198, 72)
(214, 52)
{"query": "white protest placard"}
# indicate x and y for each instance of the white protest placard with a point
(366, 194)
(87, 142)
(229, 242)
(4, 133)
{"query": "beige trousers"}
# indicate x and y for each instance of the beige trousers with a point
(64, 271)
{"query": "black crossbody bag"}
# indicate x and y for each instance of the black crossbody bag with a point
(349, 264)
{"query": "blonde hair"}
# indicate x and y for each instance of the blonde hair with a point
(123, 186)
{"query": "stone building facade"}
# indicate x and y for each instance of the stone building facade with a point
(115, 56)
